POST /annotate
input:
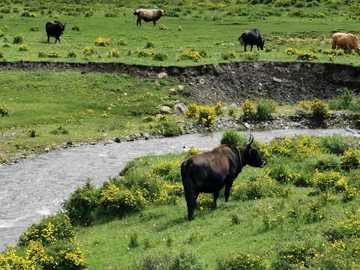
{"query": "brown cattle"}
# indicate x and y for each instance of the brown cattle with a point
(211, 171)
(346, 41)
(149, 15)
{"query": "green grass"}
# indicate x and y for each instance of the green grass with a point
(86, 105)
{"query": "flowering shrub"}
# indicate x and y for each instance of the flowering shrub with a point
(351, 159)
(55, 54)
(193, 151)
(73, 54)
(4, 110)
(103, 42)
(192, 111)
(89, 13)
(23, 47)
(75, 27)
(291, 51)
(218, 109)
(192, 55)
(116, 200)
(248, 108)
(89, 50)
(304, 105)
(49, 230)
(148, 119)
(163, 27)
(169, 171)
(207, 115)
(319, 109)
(309, 55)
(244, 261)
(114, 53)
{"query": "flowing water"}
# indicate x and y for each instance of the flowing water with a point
(36, 187)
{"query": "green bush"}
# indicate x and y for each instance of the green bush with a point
(265, 109)
(59, 130)
(231, 137)
(351, 159)
(334, 144)
(18, 39)
(324, 162)
(73, 54)
(81, 204)
(168, 128)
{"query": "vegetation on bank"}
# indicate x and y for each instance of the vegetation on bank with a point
(43, 109)
(288, 215)
(190, 33)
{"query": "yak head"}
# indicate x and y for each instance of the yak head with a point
(252, 156)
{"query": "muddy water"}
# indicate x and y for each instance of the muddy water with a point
(36, 187)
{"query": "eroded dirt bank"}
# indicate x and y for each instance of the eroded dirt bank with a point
(282, 81)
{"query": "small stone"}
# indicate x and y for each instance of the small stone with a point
(300, 111)
(162, 75)
(182, 78)
(166, 109)
(247, 125)
(180, 87)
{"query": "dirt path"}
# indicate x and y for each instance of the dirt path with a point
(37, 186)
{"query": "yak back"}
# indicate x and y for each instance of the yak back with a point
(251, 37)
(207, 168)
(55, 28)
(149, 14)
(346, 41)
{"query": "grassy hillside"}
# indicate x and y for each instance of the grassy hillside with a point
(288, 215)
(191, 33)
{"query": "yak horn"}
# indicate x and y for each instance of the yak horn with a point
(251, 139)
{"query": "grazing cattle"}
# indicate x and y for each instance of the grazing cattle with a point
(211, 171)
(251, 37)
(55, 29)
(346, 41)
(148, 15)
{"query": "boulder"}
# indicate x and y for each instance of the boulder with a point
(180, 108)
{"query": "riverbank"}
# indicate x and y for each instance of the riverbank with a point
(36, 186)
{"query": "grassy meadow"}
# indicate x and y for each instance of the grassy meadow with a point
(190, 33)
(300, 211)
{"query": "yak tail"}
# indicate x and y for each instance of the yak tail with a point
(242, 43)
(186, 177)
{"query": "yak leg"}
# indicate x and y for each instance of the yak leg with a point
(349, 48)
(216, 195)
(228, 186)
(138, 22)
(154, 23)
(245, 47)
(251, 48)
(191, 203)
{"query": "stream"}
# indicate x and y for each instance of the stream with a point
(35, 187)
